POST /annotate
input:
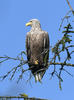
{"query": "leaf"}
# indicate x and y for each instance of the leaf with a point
(22, 58)
(23, 95)
(58, 56)
(63, 46)
(60, 85)
(68, 54)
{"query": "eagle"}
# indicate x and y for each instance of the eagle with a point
(37, 48)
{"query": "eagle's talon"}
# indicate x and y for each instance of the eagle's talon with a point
(36, 62)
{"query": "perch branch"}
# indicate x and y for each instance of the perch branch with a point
(66, 64)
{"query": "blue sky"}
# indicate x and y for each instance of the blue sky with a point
(13, 16)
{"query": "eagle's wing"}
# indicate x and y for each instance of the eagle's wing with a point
(46, 48)
(46, 45)
(46, 41)
(28, 46)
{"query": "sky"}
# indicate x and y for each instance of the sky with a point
(13, 16)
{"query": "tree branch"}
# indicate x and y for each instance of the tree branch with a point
(66, 64)
(25, 98)
(70, 6)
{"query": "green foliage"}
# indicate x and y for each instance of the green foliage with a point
(61, 45)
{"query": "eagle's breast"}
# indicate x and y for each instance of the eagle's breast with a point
(36, 46)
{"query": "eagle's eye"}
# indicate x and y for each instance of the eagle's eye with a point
(31, 21)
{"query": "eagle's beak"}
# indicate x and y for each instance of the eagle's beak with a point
(29, 24)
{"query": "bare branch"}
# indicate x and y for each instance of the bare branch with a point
(65, 64)
(25, 98)
(70, 5)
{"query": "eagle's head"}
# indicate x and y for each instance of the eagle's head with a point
(34, 23)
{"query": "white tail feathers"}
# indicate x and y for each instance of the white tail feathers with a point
(38, 77)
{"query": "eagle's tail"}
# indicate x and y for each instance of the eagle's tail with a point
(39, 76)
(38, 72)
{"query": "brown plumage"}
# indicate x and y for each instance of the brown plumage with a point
(37, 46)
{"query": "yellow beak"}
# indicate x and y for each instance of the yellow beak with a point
(29, 23)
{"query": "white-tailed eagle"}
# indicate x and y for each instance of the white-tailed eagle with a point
(37, 46)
